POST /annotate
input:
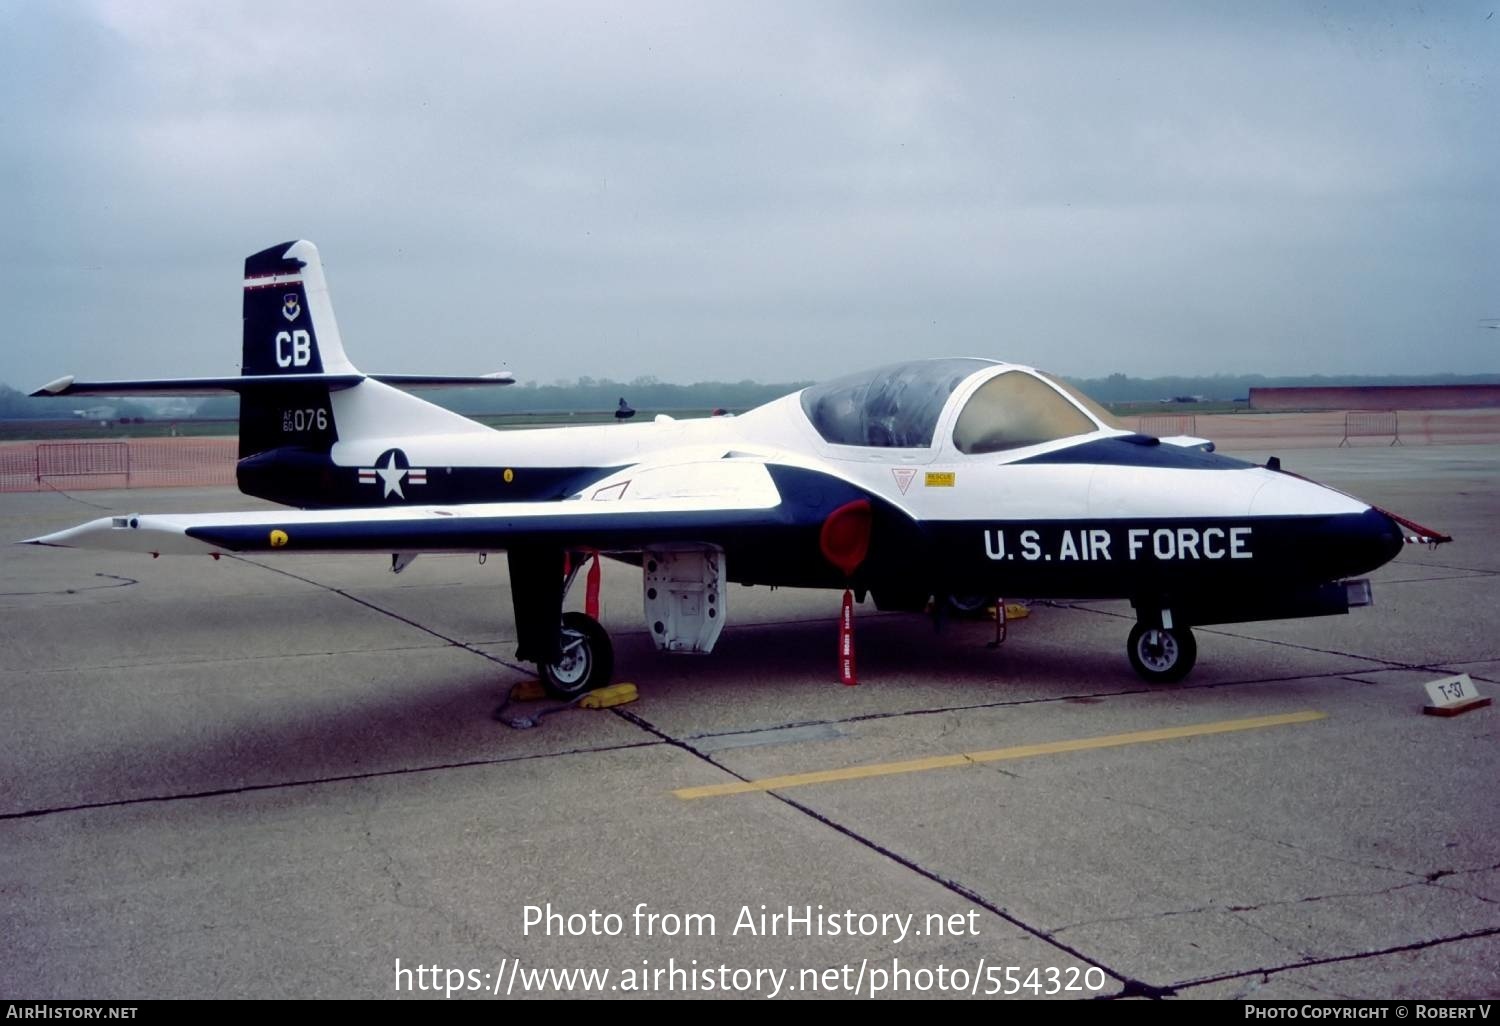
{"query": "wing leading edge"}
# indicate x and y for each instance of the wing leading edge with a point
(742, 500)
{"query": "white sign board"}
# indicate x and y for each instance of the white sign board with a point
(1451, 695)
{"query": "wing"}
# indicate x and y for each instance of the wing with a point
(713, 502)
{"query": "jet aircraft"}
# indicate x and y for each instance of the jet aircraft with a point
(921, 479)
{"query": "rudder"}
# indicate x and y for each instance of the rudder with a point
(289, 330)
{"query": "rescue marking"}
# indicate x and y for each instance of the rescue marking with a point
(941, 478)
(884, 769)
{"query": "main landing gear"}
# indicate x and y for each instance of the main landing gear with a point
(571, 650)
(1161, 655)
(684, 588)
(585, 661)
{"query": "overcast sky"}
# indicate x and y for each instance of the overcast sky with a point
(711, 190)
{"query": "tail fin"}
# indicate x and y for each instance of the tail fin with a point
(289, 322)
(289, 331)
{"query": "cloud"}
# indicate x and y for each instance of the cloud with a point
(772, 191)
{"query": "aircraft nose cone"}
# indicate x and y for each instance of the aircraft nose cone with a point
(1373, 540)
(1340, 535)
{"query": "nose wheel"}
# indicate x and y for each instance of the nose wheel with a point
(968, 607)
(1161, 655)
(586, 662)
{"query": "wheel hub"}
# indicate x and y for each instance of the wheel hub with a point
(1158, 650)
(574, 664)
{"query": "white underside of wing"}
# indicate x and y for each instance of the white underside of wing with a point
(721, 486)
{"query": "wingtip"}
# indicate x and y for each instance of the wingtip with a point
(67, 538)
(57, 387)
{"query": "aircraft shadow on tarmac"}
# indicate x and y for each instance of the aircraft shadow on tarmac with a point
(295, 722)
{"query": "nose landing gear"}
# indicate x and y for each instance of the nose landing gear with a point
(1161, 655)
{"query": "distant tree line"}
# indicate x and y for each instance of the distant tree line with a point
(647, 393)
(16, 405)
(644, 393)
(1121, 388)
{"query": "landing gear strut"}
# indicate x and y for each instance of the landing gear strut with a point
(585, 661)
(572, 652)
(1161, 655)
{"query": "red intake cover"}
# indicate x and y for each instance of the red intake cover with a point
(845, 538)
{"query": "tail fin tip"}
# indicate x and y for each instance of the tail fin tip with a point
(289, 324)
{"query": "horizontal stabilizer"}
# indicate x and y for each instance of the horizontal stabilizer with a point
(262, 384)
(444, 381)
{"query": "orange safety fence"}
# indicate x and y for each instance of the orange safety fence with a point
(1167, 425)
(1363, 424)
(1251, 431)
(130, 463)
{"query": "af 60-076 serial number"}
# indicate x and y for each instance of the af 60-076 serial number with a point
(314, 419)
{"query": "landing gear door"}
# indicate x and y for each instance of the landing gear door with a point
(685, 596)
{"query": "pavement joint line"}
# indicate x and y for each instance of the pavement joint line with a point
(383, 611)
(1450, 566)
(1335, 959)
(1130, 987)
(226, 660)
(1129, 692)
(995, 755)
(277, 785)
(1388, 664)
(1470, 575)
(1301, 850)
(935, 711)
(1236, 909)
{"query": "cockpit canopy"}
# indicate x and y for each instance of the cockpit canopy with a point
(1013, 410)
(892, 407)
(899, 406)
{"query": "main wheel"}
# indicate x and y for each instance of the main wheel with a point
(1161, 655)
(587, 660)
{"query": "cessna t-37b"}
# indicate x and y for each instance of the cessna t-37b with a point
(947, 477)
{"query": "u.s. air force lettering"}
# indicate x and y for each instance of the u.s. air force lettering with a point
(1132, 543)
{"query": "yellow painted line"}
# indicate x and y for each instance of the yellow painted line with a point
(885, 769)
